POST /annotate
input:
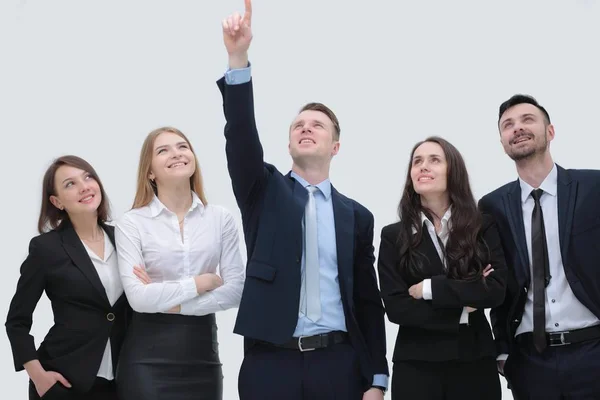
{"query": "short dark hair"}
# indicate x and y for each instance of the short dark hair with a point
(327, 111)
(522, 99)
(52, 217)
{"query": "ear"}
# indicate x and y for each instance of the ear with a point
(336, 149)
(151, 176)
(56, 202)
(550, 132)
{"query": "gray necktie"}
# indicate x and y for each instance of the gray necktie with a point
(311, 290)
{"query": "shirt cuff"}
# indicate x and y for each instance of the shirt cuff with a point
(427, 295)
(189, 288)
(502, 357)
(464, 317)
(238, 76)
(380, 380)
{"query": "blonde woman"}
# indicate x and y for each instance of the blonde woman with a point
(170, 245)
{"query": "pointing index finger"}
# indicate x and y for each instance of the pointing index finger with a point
(248, 12)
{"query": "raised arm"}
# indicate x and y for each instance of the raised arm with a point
(400, 306)
(243, 148)
(153, 297)
(231, 269)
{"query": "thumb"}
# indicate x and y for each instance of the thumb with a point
(62, 380)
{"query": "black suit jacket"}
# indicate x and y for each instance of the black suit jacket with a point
(578, 198)
(272, 207)
(429, 329)
(59, 265)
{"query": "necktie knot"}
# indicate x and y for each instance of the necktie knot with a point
(537, 194)
(312, 189)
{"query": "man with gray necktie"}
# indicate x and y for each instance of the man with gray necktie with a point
(310, 313)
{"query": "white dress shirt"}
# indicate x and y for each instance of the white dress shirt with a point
(150, 237)
(108, 271)
(443, 235)
(563, 310)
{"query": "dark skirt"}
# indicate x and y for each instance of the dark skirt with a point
(170, 356)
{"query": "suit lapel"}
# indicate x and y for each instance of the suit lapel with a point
(435, 264)
(343, 214)
(297, 210)
(567, 193)
(514, 210)
(74, 248)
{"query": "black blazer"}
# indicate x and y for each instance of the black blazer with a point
(83, 318)
(578, 197)
(429, 329)
(272, 207)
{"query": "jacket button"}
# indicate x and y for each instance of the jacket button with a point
(110, 316)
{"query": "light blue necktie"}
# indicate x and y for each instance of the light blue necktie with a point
(311, 287)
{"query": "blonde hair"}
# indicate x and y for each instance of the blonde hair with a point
(146, 189)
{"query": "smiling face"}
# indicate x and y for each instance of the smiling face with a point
(429, 169)
(172, 159)
(76, 191)
(524, 132)
(312, 137)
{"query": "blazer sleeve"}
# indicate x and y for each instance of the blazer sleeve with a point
(30, 287)
(400, 306)
(370, 313)
(485, 293)
(499, 314)
(244, 152)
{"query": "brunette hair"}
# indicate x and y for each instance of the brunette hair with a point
(52, 217)
(465, 253)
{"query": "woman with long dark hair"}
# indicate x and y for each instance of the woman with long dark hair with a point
(439, 267)
(74, 261)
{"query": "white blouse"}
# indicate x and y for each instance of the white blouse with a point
(150, 237)
(108, 272)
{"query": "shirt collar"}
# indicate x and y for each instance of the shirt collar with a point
(549, 185)
(324, 187)
(156, 206)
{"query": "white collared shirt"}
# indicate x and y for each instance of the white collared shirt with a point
(443, 235)
(563, 310)
(150, 236)
(108, 272)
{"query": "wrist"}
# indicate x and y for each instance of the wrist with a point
(379, 387)
(34, 369)
(238, 60)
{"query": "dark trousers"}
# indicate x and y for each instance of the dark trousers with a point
(570, 372)
(446, 380)
(101, 390)
(270, 373)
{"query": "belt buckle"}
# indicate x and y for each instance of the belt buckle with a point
(303, 349)
(558, 339)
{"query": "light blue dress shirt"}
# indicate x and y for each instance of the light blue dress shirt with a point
(333, 317)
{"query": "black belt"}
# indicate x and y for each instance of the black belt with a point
(566, 337)
(308, 343)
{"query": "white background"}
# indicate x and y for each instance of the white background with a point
(93, 78)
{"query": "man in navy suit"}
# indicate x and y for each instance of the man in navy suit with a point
(311, 311)
(547, 330)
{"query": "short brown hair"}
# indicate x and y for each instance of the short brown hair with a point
(145, 188)
(52, 217)
(327, 111)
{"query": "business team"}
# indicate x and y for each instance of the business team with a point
(134, 306)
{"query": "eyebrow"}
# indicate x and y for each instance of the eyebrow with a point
(166, 145)
(71, 178)
(428, 155)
